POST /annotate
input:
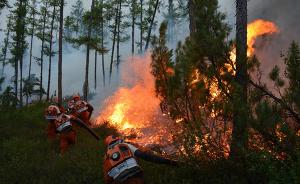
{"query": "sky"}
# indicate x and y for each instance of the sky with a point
(285, 14)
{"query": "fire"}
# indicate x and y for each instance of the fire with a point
(134, 108)
(258, 28)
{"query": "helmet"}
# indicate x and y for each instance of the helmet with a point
(109, 140)
(76, 97)
(52, 112)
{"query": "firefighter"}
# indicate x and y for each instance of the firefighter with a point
(120, 163)
(51, 115)
(63, 124)
(80, 109)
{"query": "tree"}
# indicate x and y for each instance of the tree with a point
(31, 20)
(90, 27)
(114, 32)
(19, 42)
(3, 56)
(151, 22)
(292, 62)
(50, 52)
(134, 11)
(240, 112)
(61, 25)
(42, 27)
(195, 89)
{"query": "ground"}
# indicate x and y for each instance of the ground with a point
(26, 156)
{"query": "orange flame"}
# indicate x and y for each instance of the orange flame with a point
(136, 109)
(258, 28)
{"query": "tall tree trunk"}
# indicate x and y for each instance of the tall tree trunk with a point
(102, 43)
(6, 41)
(151, 25)
(30, 52)
(133, 26)
(114, 42)
(171, 22)
(141, 27)
(61, 25)
(86, 82)
(95, 72)
(240, 111)
(50, 57)
(118, 34)
(21, 80)
(191, 7)
(42, 52)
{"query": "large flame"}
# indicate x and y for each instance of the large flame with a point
(258, 28)
(134, 108)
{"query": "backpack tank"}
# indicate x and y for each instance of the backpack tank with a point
(120, 163)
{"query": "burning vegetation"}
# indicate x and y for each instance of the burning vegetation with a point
(196, 122)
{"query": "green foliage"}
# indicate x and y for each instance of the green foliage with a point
(8, 98)
(190, 84)
(292, 62)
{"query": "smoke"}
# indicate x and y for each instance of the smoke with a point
(285, 14)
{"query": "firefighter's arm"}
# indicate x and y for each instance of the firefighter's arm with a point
(83, 125)
(90, 107)
(154, 158)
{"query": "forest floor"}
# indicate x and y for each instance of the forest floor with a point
(28, 157)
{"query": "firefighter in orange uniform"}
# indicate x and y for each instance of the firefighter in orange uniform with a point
(64, 127)
(120, 163)
(80, 109)
(51, 116)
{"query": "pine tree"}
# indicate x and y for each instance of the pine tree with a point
(50, 52)
(134, 11)
(89, 34)
(153, 8)
(113, 27)
(19, 43)
(196, 88)
(42, 28)
(141, 25)
(292, 62)
(240, 112)
(61, 25)
(4, 50)
(32, 12)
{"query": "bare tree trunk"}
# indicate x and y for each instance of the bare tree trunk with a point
(30, 55)
(86, 82)
(50, 57)
(6, 41)
(118, 34)
(102, 43)
(151, 25)
(61, 25)
(114, 42)
(191, 7)
(95, 72)
(42, 53)
(240, 111)
(141, 27)
(133, 26)
(171, 21)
